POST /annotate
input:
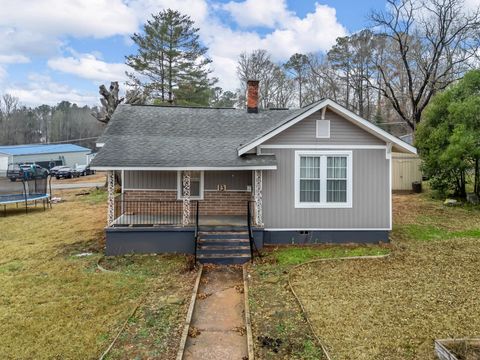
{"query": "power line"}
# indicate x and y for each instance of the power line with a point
(66, 141)
(392, 123)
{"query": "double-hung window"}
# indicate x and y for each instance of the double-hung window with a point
(196, 185)
(323, 179)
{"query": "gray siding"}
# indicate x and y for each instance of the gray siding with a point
(342, 132)
(234, 180)
(153, 180)
(167, 180)
(370, 199)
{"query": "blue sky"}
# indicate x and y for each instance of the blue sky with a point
(53, 50)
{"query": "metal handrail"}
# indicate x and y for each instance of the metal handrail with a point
(147, 212)
(197, 216)
(250, 231)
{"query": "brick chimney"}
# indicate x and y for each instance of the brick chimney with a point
(252, 96)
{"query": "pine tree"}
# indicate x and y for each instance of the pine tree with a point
(171, 64)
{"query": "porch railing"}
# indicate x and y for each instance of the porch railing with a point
(136, 212)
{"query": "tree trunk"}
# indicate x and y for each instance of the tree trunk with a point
(476, 187)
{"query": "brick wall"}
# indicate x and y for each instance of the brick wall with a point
(224, 203)
(213, 203)
(164, 195)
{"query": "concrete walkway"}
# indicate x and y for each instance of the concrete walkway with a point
(219, 317)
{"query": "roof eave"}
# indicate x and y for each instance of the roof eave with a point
(182, 168)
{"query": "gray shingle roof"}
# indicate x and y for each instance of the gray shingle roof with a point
(158, 136)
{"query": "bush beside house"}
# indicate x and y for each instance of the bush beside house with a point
(448, 138)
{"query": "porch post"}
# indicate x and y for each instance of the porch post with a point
(186, 198)
(111, 197)
(258, 197)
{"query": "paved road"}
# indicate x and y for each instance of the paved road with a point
(8, 187)
(78, 185)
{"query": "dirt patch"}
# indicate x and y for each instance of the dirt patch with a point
(279, 329)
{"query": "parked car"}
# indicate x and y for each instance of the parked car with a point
(53, 170)
(84, 170)
(26, 171)
(66, 173)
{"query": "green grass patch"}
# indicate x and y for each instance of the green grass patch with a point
(298, 255)
(431, 232)
(96, 196)
(11, 267)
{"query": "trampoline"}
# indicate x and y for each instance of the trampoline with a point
(28, 191)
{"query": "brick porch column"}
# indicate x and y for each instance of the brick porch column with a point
(258, 197)
(186, 198)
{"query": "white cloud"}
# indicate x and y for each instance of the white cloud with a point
(13, 59)
(267, 13)
(89, 66)
(26, 42)
(3, 73)
(196, 9)
(43, 90)
(317, 31)
(96, 18)
(40, 28)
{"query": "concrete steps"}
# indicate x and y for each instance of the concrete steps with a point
(223, 246)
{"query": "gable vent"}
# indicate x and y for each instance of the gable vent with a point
(323, 129)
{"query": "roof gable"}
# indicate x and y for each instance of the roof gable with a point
(341, 132)
(342, 111)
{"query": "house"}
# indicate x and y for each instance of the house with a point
(43, 154)
(207, 180)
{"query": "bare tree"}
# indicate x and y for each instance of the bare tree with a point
(321, 80)
(8, 106)
(259, 66)
(432, 42)
(297, 65)
(109, 102)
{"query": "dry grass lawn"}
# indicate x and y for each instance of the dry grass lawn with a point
(55, 305)
(279, 329)
(394, 308)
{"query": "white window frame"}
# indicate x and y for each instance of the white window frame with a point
(316, 130)
(323, 180)
(180, 185)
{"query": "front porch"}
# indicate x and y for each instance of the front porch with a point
(141, 220)
(213, 199)
(217, 219)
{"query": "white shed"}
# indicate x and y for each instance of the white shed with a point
(67, 154)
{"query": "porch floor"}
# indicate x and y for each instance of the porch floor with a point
(164, 220)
